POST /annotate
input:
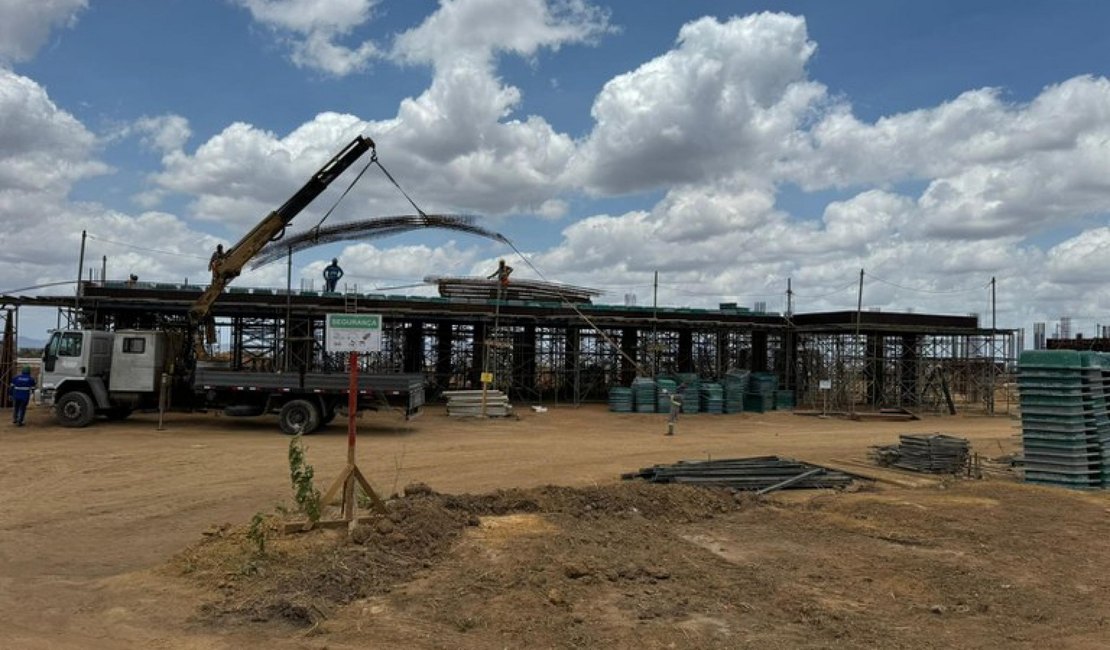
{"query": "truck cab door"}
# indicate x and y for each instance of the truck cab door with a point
(66, 355)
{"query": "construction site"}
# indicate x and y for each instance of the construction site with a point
(542, 349)
(527, 466)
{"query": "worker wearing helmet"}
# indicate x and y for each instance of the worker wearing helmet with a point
(20, 391)
(332, 274)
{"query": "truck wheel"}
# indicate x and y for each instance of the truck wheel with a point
(75, 409)
(299, 416)
(329, 415)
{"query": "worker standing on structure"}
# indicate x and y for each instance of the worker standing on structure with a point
(20, 391)
(502, 274)
(213, 261)
(332, 274)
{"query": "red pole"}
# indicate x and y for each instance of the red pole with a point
(352, 408)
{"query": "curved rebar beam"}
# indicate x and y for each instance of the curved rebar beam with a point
(371, 229)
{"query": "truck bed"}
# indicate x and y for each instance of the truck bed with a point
(325, 381)
(398, 389)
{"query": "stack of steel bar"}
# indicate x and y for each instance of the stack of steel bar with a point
(1063, 417)
(468, 403)
(763, 473)
(936, 452)
(527, 290)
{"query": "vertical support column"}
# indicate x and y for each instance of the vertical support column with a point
(685, 350)
(301, 344)
(908, 380)
(478, 359)
(443, 355)
(873, 370)
(413, 355)
(789, 342)
(8, 350)
(237, 343)
(573, 350)
(528, 352)
(759, 351)
(630, 345)
(722, 357)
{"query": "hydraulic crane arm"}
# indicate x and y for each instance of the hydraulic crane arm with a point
(272, 227)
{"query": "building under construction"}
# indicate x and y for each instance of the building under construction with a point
(560, 348)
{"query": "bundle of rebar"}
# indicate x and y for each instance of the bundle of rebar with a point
(935, 453)
(762, 473)
(370, 229)
(526, 290)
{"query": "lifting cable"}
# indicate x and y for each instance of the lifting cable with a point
(373, 159)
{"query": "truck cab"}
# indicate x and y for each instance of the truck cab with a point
(86, 373)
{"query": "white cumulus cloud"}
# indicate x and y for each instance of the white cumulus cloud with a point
(25, 25)
(315, 30)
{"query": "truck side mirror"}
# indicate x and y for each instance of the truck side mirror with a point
(48, 361)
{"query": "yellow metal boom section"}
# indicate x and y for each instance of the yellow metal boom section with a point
(272, 228)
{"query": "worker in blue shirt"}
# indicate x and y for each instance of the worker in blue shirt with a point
(332, 273)
(20, 391)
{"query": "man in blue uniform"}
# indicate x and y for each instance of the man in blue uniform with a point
(332, 273)
(21, 389)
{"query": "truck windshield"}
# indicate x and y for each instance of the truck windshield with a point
(70, 344)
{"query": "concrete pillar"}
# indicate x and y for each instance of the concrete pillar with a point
(630, 344)
(685, 350)
(414, 347)
(443, 355)
(759, 351)
(524, 360)
(479, 356)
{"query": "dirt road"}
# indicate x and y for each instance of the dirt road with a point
(87, 514)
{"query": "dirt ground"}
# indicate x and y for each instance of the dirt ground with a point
(122, 536)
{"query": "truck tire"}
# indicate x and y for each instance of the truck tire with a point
(299, 416)
(329, 415)
(75, 409)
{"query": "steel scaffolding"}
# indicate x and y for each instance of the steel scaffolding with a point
(973, 371)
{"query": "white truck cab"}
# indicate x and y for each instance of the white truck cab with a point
(91, 372)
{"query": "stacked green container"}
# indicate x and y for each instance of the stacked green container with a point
(761, 392)
(620, 399)
(665, 388)
(713, 398)
(736, 384)
(644, 396)
(691, 392)
(1063, 417)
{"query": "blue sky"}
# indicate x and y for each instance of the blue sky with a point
(731, 145)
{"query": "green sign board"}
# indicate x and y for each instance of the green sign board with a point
(353, 333)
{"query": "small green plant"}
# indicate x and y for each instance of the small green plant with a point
(301, 473)
(257, 532)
